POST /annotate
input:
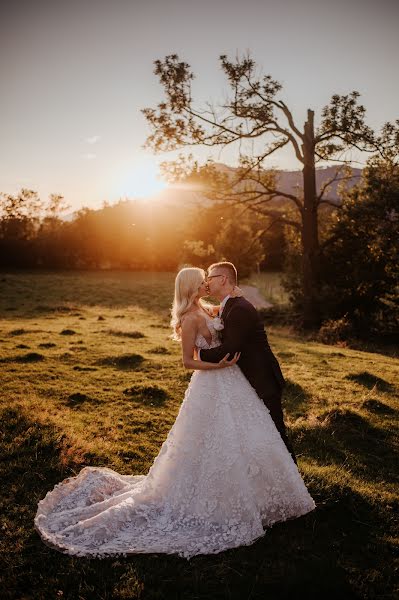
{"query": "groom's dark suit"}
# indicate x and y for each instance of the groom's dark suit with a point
(244, 332)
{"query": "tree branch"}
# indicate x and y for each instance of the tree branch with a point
(290, 118)
(333, 179)
(277, 193)
(329, 202)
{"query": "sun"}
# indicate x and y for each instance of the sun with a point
(140, 179)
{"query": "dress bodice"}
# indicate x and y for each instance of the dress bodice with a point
(201, 342)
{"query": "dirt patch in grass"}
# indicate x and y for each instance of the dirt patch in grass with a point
(123, 361)
(286, 354)
(30, 357)
(22, 331)
(147, 394)
(159, 350)
(129, 334)
(77, 399)
(60, 308)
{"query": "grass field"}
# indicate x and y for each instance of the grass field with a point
(269, 284)
(89, 376)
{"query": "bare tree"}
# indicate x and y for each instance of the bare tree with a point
(254, 112)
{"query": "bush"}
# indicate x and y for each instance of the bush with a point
(358, 278)
(335, 330)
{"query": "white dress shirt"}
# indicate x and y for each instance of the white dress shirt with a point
(223, 304)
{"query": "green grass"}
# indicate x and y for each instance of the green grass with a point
(107, 393)
(269, 284)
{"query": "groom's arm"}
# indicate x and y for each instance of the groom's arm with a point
(234, 335)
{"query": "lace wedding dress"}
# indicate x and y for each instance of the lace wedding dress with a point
(222, 475)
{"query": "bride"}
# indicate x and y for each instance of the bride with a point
(221, 477)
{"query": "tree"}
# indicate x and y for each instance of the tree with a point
(255, 114)
(360, 273)
(20, 214)
(19, 223)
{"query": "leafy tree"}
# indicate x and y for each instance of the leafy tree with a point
(237, 243)
(360, 272)
(255, 114)
(51, 236)
(197, 254)
(19, 223)
(20, 214)
(226, 232)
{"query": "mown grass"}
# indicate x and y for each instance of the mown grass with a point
(270, 286)
(107, 393)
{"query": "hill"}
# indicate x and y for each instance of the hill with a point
(289, 182)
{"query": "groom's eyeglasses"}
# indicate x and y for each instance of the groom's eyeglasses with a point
(212, 276)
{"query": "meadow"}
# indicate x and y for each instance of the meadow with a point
(90, 376)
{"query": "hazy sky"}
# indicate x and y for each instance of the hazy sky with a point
(75, 74)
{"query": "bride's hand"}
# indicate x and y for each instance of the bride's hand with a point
(215, 310)
(229, 363)
(237, 292)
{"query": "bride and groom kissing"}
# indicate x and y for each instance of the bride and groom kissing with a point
(243, 332)
(226, 471)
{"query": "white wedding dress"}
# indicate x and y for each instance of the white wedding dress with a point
(222, 475)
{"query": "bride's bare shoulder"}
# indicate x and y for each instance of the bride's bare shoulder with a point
(190, 319)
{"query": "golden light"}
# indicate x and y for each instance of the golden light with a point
(140, 179)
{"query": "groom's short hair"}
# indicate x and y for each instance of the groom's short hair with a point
(229, 268)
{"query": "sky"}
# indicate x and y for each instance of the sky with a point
(75, 76)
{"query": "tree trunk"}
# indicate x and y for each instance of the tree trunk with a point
(310, 238)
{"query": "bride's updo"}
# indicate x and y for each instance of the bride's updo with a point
(187, 282)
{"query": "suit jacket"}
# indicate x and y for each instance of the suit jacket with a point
(244, 332)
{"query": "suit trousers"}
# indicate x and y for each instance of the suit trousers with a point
(273, 403)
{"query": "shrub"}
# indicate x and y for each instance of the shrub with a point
(335, 330)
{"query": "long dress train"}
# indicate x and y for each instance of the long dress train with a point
(221, 477)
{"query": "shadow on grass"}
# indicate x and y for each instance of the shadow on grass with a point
(369, 381)
(325, 554)
(295, 398)
(375, 406)
(345, 438)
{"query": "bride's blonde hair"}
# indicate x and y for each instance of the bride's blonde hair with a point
(187, 282)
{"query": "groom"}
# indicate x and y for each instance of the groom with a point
(243, 332)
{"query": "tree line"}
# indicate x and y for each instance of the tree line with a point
(131, 234)
(358, 284)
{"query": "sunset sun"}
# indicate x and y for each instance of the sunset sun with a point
(140, 179)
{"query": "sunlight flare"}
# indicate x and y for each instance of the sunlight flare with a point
(140, 180)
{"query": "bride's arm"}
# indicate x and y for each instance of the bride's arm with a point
(189, 332)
